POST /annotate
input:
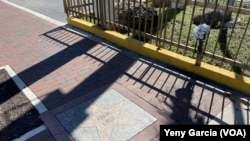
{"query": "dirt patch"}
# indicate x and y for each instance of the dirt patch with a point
(17, 114)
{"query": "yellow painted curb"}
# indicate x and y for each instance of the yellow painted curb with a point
(228, 78)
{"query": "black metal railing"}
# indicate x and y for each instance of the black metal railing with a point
(213, 31)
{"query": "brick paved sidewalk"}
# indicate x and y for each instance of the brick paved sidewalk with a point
(59, 66)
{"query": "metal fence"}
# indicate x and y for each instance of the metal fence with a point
(213, 31)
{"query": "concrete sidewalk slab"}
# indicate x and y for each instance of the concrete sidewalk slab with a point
(105, 114)
(233, 114)
(109, 117)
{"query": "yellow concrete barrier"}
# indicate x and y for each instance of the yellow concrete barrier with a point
(225, 77)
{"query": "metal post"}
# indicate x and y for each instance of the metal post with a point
(200, 33)
(199, 52)
(65, 5)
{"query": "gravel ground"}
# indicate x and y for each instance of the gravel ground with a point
(17, 114)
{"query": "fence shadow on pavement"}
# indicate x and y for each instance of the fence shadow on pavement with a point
(194, 100)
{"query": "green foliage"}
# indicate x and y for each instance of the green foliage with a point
(230, 44)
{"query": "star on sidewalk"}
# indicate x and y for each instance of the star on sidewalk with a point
(105, 119)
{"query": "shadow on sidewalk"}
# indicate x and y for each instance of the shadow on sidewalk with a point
(110, 71)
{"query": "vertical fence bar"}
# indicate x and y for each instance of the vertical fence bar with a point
(182, 22)
(203, 13)
(139, 22)
(199, 53)
(215, 7)
(152, 21)
(114, 14)
(159, 24)
(246, 67)
(82, 5)
(89, 10)
(124, 16)
(242, 39)
(145, 21)
(105, 13)
(97, 14)
(221, 33)
(73, 8)
(173, 27)
(166, 21)
(79, 8)
(190, 25)
(101, 14)
(109, 15)
(201, 49)
(70, 8)
(227, 44)
(129, 18)
(85, 9)
(118, 15)
(134, 11)
(65, 6)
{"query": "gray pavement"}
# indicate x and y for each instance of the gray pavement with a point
(51, 8)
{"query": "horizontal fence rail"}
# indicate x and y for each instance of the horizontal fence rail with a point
(213, 31)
